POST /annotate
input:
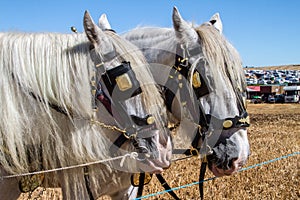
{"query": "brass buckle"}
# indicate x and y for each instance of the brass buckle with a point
(194, 151)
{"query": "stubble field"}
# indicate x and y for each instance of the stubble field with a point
(274, 133)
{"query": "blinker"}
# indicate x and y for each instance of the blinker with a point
(121, 82)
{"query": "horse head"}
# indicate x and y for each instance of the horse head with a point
(217, 81)
(125, 87)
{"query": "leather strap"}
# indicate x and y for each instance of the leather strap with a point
(201, 178)
(166, 186)
(141, 185)
(87, 182)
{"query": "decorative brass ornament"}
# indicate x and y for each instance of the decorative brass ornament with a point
(30, 183)
(124, 82)
(196, 80)
(74, 29)
(179, 76)
(245, 120)
(135, 179)
(150, 120)
(183, 60)
(93, 83)
(227, 124)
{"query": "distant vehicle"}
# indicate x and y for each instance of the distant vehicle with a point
(279, 98)
(256, 99)
(271, 99)
(278, 81)
(294, 80)
(291, 94)
(262, 82)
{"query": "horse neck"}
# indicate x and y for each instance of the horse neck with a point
(157, 44)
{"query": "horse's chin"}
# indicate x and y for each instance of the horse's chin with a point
(218, 172)
(151, 167)
(162, 161)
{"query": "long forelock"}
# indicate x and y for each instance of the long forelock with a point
(221, 56)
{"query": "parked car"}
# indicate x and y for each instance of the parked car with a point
(271, 99)
(279, 98)
(256, 99)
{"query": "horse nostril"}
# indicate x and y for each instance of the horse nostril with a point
(231, 163)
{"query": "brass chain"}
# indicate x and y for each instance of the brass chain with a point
(110, 127)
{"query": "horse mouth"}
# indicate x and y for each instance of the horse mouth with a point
(155, 158)
(222, 172)
(229, 155)
(227, 167)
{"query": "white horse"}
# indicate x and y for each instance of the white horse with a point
(71, 99)
(213, 73)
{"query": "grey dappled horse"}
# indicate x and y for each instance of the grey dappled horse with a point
(211, 70)
(71, 99)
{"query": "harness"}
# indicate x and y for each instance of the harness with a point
(180, 72)
(111, 88)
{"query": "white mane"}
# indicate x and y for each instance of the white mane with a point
(40, 72)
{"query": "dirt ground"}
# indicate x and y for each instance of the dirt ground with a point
(274, 133)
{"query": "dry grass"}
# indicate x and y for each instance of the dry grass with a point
(274, 132)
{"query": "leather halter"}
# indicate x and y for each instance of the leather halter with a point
(121, 84)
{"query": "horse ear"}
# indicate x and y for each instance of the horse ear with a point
(103, 23)
(97, 37)
(93, 32)
(216, 21)
(184, 31)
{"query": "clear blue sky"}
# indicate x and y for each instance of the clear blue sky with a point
(265, 32)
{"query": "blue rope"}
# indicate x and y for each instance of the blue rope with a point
(209, 179)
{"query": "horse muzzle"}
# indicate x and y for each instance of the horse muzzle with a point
(229, 155)
(154, 157)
